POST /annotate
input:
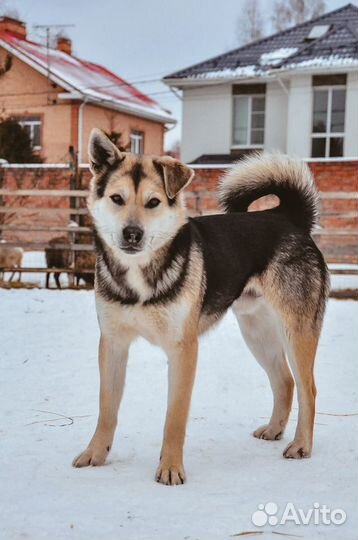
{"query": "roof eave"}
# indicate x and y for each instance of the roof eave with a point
(122, 107)
(315, 69)
(269, 75)
(197, 81)
(73, 93)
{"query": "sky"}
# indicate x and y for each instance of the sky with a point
(144, 40)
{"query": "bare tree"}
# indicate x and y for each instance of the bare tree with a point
(8, 11)
(250, 25)
(288, 13)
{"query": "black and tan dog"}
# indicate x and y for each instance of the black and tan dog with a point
(168, 278)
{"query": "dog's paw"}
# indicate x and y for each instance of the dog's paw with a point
(170, 474)
(269, 432)
(92, 456)
(297, 449)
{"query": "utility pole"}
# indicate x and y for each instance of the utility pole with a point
(48, 28)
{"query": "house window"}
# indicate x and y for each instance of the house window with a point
(32, 125)
(137, 142)
(249, 120)
(329, 107)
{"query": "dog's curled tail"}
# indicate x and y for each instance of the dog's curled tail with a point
(264, 174)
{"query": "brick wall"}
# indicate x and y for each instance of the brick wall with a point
(34, 178)
(331, 178)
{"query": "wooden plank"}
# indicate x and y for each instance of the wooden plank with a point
(32, 270)
(343, 272)
(335, 232)
(84, 211)
(32, 228)
(40, 246)
(24, 210)
(44, 192)
(339, 213)
(338, 194)
(85, 193)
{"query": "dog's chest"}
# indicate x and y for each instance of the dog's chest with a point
(160, 324)
(136, 281)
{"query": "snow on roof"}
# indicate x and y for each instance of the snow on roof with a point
(332, 61)
(245, 71)
(276, 56)
(337, 45)
(85, 79)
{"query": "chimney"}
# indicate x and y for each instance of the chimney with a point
(13, 26)
(64, 44)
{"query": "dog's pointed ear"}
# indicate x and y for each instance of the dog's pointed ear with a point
(102, 152)
(175, 174)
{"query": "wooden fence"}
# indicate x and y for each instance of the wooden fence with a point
(74, 208)
(69, 212)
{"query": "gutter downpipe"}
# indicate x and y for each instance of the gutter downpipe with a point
(80, 130)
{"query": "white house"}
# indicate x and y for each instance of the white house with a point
(295, 91)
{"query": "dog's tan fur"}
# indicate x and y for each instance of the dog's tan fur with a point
(177, 325)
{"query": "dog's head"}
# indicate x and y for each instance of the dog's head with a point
(135, 201)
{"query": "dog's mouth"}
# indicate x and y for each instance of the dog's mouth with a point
(131, 249)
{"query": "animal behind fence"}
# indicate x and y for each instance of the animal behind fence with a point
(57, 258)
(10, 257)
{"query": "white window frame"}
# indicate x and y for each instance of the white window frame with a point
(137, 142)
(328, 134)
(248, 135)
(31, 124)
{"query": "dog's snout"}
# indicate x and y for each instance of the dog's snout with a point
(132, 234)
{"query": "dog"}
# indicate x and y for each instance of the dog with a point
(169, 278)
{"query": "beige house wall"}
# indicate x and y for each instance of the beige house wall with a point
(109, 120)
(25, 92)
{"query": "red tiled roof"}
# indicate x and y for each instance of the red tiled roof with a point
(84, 80)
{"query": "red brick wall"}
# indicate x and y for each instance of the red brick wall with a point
(201, 198)
(34, 178)
(336, 213)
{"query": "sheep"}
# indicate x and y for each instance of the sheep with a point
(57, 258)
(10, 257)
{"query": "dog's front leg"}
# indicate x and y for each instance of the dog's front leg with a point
(181, 373)
(113, 355)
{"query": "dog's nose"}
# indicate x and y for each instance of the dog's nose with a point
(132, 234)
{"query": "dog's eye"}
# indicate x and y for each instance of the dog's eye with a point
(152, 203)
(117, 199)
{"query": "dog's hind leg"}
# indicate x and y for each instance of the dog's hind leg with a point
(298, 293)
(302, 346)
(113, 354)
(261, 330)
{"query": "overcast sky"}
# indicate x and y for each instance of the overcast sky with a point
(145, 39)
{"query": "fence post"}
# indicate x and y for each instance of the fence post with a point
(74, 184)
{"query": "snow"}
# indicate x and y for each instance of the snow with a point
(241, 71)
(49, 368)
(332, 61)
(275, 57)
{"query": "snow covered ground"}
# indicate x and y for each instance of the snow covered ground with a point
(48, 403)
